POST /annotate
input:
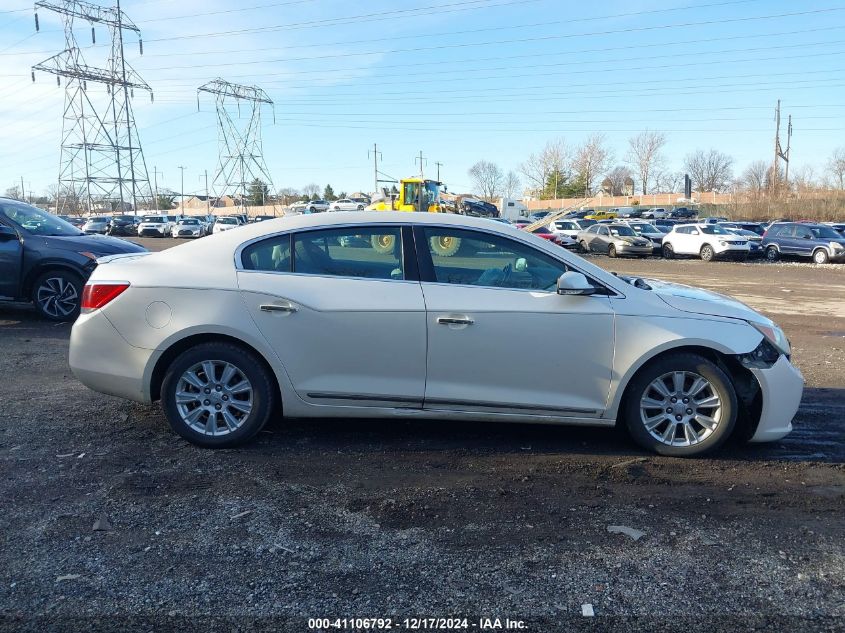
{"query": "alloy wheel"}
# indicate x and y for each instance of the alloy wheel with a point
(214, 397)
(820, 256)
(681, 408)
(57, 297)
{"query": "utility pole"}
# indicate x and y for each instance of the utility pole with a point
(23, 191)
(786, 154)
(207, 199)
(156, 172)
(439, 165)
(421, 158)
(182, 189)
(779, 151)
(376, 155)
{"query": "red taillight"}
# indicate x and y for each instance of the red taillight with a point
(97, 295)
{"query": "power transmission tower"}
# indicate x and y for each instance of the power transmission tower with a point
(780, 153)
(241, 157)
(101, 157)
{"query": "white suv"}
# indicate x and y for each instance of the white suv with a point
(707, 241)
(155, 226)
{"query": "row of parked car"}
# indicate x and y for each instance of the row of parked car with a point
(708, 239)
(160, 225)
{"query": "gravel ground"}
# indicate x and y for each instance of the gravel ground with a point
(110, 522)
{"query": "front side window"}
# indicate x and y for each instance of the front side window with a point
(35, 220)
(480, 259)
(368, 252)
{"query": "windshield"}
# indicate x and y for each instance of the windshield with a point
(227, 221)
(153, 218)
(622, 231)
(189, 221)
(642, 228)
(36, 221)
(586, 223)
(713, 229)
(825, 232)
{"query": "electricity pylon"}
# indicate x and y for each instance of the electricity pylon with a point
(101, 157)
(241, 157)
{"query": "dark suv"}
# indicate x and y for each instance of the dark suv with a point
(819, 241)
(46, 260)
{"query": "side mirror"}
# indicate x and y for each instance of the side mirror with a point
(572, 283)
(7, 233)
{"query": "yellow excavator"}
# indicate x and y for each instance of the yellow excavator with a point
(415, 194)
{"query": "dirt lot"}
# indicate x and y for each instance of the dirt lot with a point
(111, 522)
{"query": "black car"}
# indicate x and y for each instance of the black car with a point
(683, 213)
(471, 206)
(46, 260)
(123, 225)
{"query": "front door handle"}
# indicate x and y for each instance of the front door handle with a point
(274, 307)
(455, 321)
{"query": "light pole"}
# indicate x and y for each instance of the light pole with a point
(182, 190)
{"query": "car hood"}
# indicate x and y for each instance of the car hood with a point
(99, 245)
(700, 301)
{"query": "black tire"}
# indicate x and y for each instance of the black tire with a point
(668, 251)
(57, 295)
(720, 383)
(820, 256)
(249, 365)
(584, 246)
(772, 254)
(312, 210)
(611, 251)
(360, 207)
(707, 253)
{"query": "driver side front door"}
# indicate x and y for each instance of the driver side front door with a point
(500, 338)
(11, 260)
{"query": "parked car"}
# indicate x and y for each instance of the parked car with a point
(46, 260)
(75, 220)
(538, 215)
(481, 208)
(707, 241)
(225, 223)
(665, 222)
(755, 241)
(238, 338)
(683, 213)
(657, 213)
(755, 227)
(601, 215)
(125, 225)
(615, 240)
(98, 225)
(560, 240)
(839, 227)
(261, 218)
(154, 226)
(311, 206)
(582, 213)
(628, 212)
(820, 242)
(347, 204)
(187, 227)
(650, 232)
(569, 227)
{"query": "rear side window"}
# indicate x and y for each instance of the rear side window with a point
(272, 255)
(364, 252)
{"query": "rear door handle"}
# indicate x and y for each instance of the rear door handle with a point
(275, 307)
(455, 321)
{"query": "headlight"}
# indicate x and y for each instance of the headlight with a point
(722, 243)
(774, 335)
(836, 246)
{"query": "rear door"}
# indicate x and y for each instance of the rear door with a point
(11, 259)
(344, 311)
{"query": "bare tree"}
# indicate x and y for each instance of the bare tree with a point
(804, 179)
(709, 170)
(511, 185)
(14, 193)
(836, 167)
(311, 190)
(554, 158)
(756, 176)
(288, 195)
(667, 181)
(591, 160)
(487, 178)
(617, 179)
(644, 154)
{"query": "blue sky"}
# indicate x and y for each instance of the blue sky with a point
(459, 80)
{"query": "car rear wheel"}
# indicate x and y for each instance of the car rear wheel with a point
(217, 395)
(680, 405)
(821, 256)
(57, 295)
(707, 253)
(772, 254)
(668, 251)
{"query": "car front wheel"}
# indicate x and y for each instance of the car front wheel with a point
(680, 405)
(668, 251)
(707, 253)
(821, 256)
(217, 395)
(57, 295)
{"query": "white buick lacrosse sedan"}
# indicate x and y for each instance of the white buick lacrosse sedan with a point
(430, 316)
